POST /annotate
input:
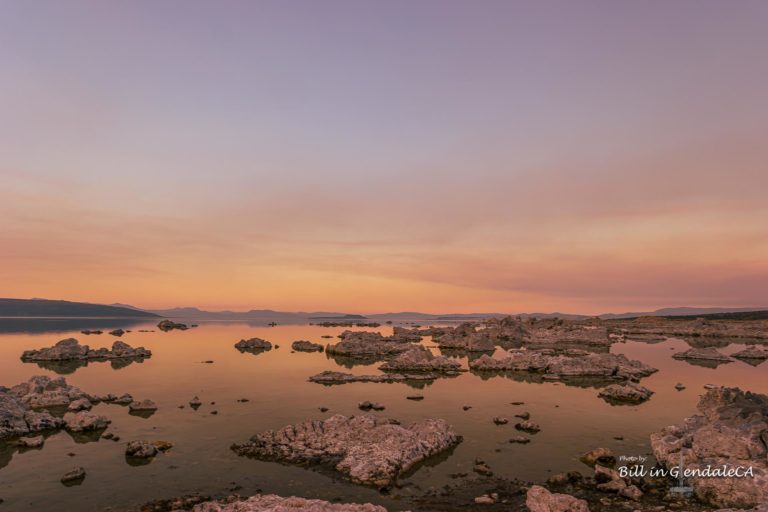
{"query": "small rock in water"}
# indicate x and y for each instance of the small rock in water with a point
(520, 440)
(528, 426)
(602, 456)
(143, 405)
(679, 386)
(500, 421)
(481, 468)
(517, 403)
(73, 477)
(415, 397)
(467, 407)
(523, 416)
(323, 409)
(214, 412)
(141, 449)
(367, 406)
(195, 402)
(243, 400)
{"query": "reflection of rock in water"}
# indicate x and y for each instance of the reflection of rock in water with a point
(143, 413)
(69, 367)
(62, 367)
(6, 453)
(458, 353)
(53, 325)
(254, 351)
(119, 364)
(710, 342)
(85, 437)
(540, 378)
(705, 363)
(138, 461)
(351, 362)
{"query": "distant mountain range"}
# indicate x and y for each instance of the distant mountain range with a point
(66, 309)
(682, 311)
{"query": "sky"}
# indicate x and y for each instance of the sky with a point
(361, 156)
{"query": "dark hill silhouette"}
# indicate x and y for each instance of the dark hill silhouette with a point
(65, 309)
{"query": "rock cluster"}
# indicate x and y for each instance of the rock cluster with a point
(366, 448)
(168, 325)
(274, 503)
(331, 377)
(364, 344)
(253, 345)
(466, 337)
(696, 328)
(71, 350)
(419, 359)
(730, 432)
(538, 499)
(23, 408)
(590, 365)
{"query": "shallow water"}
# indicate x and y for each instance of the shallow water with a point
(573, 419)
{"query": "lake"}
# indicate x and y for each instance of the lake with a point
(573, 419)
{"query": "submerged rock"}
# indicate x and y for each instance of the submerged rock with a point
(253, 344)
(367, 449)
(628, 392)
(306, 346)
(73, 477)
(731, 432)
(274, 503)
(538, 499)
(117, 332)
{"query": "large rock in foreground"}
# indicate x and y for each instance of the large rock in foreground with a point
(71, 350)
(731, 432)
(539, 499)
(367, 449)
(274, 503)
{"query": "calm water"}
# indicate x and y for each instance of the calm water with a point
(573, 419)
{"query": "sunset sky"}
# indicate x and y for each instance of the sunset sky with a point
(361, 156)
